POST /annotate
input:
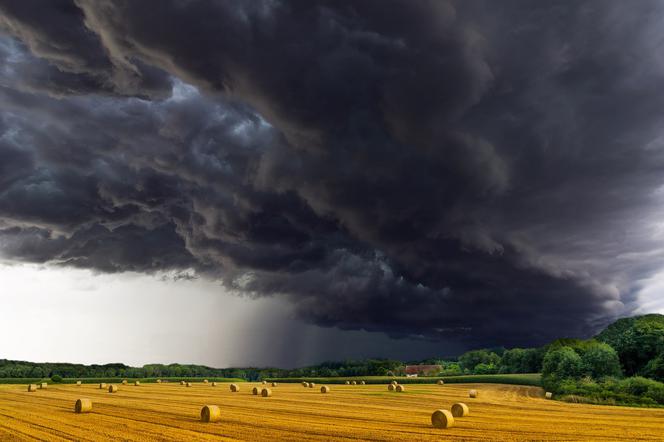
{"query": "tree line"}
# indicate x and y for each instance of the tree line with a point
(623, 364)
(23, 369)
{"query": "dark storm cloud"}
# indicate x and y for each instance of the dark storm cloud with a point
(71, 58)
(482, 172)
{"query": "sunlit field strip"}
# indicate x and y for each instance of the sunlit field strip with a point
(361, 412)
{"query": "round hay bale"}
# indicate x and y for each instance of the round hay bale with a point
(362, 383)
(264, 382)
(32, 387)
(353, 383)
(548, 395)
(124, 382)
(83, 406)
(78, 383)
(460, 410)
(440, 382)
(324, 389)
(188, 384)
(183, 383)
(266, 392)
(305, 384)
(214, 384)
(472, 393)
(210, 413)
(255, 391)
(102, 386)
(347, 382)
(137, 383)
(158, 381)
(311, 385)
(390, 387)
(442, 419)
(274, 384)
(112, 388)
(43, 385)
(235, 388)
(205, 381)
(399, 388)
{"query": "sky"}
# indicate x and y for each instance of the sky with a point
(286, 182)
(63, 315)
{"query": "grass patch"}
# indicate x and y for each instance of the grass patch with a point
(631, 392)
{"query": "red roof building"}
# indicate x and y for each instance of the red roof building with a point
(423, 369)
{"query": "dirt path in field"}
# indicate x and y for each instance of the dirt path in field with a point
(157, 412)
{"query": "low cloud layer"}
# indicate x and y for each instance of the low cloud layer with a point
(481, 173)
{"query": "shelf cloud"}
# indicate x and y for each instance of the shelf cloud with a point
(469, 171)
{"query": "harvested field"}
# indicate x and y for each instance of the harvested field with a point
(361, 412)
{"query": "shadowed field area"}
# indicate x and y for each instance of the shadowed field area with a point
(362, 412)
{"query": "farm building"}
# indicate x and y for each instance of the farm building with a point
(422, 370)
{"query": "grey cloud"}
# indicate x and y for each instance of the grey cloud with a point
(451, 170)
(70, 57)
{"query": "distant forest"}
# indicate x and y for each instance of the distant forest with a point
(487, 361)
(22, 369)
(624, 364)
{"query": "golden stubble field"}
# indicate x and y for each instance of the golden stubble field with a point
(364, 412)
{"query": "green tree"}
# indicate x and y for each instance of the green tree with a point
(482, 368)
(522, 360)
(654, 369)
(637, 340)
(562, 363)
(512, 361)
(451, 369)
(469, 360)
(600, 360)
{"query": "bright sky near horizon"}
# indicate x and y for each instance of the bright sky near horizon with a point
(71, 315)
